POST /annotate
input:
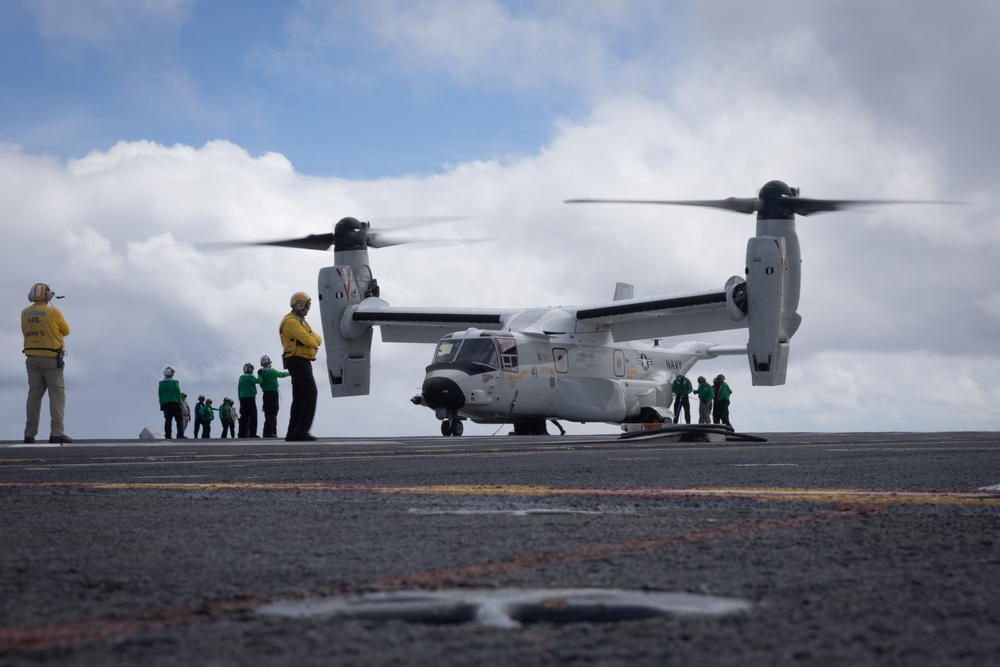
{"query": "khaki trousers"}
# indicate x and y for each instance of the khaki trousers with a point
(43, 375)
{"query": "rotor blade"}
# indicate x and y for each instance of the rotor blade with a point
(797, 205)
(397, 234)
(736, 204)
(311, 242)
(408, 221)
(806, 206)
(381, 239)
(375, 238)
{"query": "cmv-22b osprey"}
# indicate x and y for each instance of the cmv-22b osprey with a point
(584, 364)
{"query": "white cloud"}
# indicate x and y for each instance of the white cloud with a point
(123, 223)
(479, 44)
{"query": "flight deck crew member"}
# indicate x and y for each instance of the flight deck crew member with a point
(199, 420)
(185, 413)
(722, 394)
(299, 347)
(207, 415)
(682, 389)
(226, 417)
(269, 392)
(705, 397)
(170, 403)
(247, 392)
(44, 327)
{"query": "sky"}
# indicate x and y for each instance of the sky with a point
(133, 132)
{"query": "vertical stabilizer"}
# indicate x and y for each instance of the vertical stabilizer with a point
(624, 291)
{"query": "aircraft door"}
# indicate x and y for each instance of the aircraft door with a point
(536, 381)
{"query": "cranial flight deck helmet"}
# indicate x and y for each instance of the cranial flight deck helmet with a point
(265, 361)
(40, 292)
(248, 368)
(168, 372)
(300, 301)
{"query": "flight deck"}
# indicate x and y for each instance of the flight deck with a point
(816, 548)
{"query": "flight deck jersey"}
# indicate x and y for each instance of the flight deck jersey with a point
(681, 386)
(44, 328)
(724, 392)
(297, 338)
(246, 387)
(269, 378)
(169, 391)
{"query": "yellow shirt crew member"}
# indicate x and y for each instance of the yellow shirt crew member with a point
(44, 328)
(299, 345)
(297, 338)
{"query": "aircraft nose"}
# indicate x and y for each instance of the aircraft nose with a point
(442, 392)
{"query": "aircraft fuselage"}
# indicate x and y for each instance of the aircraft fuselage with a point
(500, 376)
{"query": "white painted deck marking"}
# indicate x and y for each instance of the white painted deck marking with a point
(510, 607)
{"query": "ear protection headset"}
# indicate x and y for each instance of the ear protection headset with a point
(40, 292)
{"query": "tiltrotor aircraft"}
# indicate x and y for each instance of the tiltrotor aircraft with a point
(525, 367)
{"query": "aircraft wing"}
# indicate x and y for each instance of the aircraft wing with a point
(661, 317)
(630, 319)
(425, 325)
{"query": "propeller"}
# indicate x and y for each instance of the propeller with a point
(351, 233)
(776, 200)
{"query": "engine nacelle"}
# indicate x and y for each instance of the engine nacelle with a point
(766, 285)
(348, 348)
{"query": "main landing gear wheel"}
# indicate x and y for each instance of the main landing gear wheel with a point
(453, 427)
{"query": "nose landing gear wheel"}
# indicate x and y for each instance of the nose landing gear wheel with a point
(453, 427)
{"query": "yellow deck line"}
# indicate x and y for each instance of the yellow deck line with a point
(851, 496)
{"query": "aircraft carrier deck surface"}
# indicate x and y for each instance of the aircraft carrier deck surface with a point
(818, 549)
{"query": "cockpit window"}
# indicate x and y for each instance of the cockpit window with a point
(508, 353)
(446, 351)
(493, 351)
(480, 351)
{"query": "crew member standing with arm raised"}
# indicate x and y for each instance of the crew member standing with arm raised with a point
(269, 388)
(299, 347)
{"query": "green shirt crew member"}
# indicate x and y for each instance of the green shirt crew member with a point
(705, 397)
(682, 389)
(44, 328)
(207, 415)
(269, 395)
(720, 412)
(247, 392)
(171, 403)
(227, 417)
